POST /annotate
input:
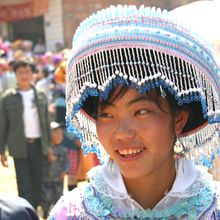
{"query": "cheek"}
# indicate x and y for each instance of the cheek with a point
(18, 78)
(157, 132)
(60, 137)
(104, 132)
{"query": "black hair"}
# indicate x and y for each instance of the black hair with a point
(45, 71)
(94, 105)
(24, 63)
(11, 63)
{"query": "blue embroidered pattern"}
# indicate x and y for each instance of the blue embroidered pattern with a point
(102, 206)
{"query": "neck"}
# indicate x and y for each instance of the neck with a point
(150, 189)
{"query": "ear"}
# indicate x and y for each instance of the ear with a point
(180, 121)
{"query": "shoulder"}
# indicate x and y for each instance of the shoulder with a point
(9, 93)
(69, 205)
(10, 98)
(196, 186)
(40, 94)
(17, 208)
(39, 91)
(210, 194)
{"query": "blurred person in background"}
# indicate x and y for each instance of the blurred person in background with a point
(3, 51)
(59, 89)
(3, 72)
(10, 76)
(59, 47)
(55, 170)
(25, 130)
(18, 55)
(16, 208)
(15, 51)
(43, 82)
(27, 48)
(59, 103)
(39, 47)
(72, 144)
(57, 59)
(48, 62)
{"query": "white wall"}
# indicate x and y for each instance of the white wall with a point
(53, 24)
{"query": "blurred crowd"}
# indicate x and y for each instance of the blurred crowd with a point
(49, 72)
(49, 76)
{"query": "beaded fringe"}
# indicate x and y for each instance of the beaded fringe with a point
(168, 72)
(194, 87)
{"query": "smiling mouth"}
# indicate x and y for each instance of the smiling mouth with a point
(129, 153)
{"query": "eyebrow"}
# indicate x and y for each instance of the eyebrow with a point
(140, 99)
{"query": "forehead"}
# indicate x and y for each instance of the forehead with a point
(24, 68)
(127, 94)
(129, 97)
(57, 130)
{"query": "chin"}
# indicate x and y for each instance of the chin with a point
(135, 173)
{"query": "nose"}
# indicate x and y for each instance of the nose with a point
(124, 130)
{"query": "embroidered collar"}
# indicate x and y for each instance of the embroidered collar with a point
(109, 195)
(186, 175)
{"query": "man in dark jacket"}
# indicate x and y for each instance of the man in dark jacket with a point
(25, 130)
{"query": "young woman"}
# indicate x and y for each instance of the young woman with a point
(143, 92)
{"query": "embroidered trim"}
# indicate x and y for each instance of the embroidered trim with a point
(102, 206)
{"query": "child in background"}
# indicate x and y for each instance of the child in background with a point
(72, 144)
(79, 165)
(55, 171)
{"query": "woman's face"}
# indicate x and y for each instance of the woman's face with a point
(138, 134)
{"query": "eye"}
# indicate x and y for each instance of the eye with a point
(142, 112)
(105, 115)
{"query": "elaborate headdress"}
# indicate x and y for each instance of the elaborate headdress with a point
(146, 49)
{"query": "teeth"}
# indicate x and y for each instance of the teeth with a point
(130, 151)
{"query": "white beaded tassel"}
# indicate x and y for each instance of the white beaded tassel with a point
(167, 69)
(199, 138)
(105, 72)
(163, 69)
(100, 71)
(139, 68)
(84, 75)
(131, 65)
(91, 71)
(148, 67)
(128, 66)
(79, 80)
(143, 63)
(87, 73)
(135, 63)
(87, 128)
(152, 65)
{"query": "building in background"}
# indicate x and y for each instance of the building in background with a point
(54, 21)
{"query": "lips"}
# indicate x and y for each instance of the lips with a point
(130, 152)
